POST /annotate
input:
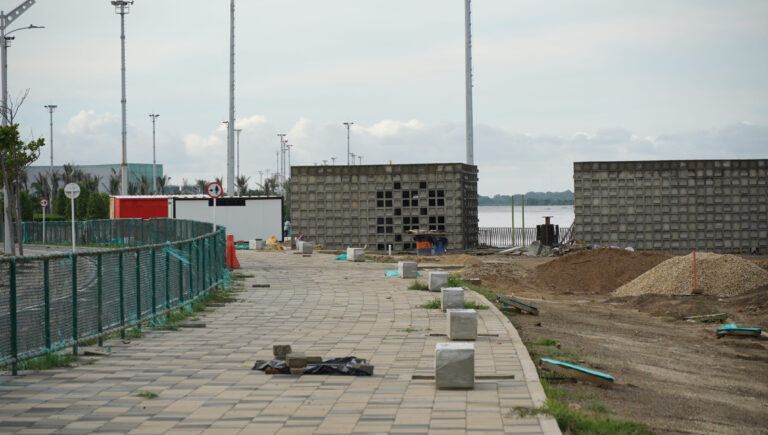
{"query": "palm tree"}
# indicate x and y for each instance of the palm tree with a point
(269, 186)
(185, 186)
(40, 186)
(201, 185)
(241, 185)
(161, 183)
(113, 188)
(143, 185)
(91, 182)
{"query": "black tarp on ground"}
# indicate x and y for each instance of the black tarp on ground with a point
(347, 366)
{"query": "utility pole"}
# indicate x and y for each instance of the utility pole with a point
(51, 108)
(279, 164)
(122, 8)
(231, 132)
(154, 174)
(288, 147)
(5, 21)
(468, 83)
(333, 159)
(348, 124)
(238, 130)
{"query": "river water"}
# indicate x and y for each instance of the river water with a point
(501, 216)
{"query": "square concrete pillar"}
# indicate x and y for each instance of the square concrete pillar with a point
(437, 280)
(462, 324)
(452, 298)
(454, 365)
(306, 247)
(407, 269)
(355, 254)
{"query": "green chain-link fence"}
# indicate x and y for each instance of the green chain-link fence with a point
(48, 302)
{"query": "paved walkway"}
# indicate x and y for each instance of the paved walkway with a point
(205, 384)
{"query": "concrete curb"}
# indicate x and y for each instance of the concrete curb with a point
(547, 422)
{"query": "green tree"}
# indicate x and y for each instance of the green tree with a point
(98, 206)
(28, 206)
(62, 207)
(81, 203)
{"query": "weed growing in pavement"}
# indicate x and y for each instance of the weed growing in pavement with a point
(50, 360)
(474, 306)
(134, 332)
(380, 259)
(147, 395)
(239, 276)
(434, 304)
(409, 330)
(418, 285)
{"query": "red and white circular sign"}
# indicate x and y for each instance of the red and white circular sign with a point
(214, 190)
(43, 202)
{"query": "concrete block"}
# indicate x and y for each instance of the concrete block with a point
(407, 269)
(257, 244)
(307, 247)
(355, 254)
(454, 365)
(462, 324)
(437, 280)
(452, 298)
(296, 360)
(281, 350)
(297, 371)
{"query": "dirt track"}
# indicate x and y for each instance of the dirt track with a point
(673, 375)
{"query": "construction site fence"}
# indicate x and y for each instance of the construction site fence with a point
(147, 268)
(508, 236)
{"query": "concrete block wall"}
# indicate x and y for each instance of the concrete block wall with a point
(340, 206)
(676, 206)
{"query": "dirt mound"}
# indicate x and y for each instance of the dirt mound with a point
(718, 275)
(595, 270)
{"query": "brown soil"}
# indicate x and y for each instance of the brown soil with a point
(594, 271)
(675, 376)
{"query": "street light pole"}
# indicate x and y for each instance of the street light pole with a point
(279, 166)
(122, 8)
(51, 108)
(231, 132)
(348, 124)
(154, 174)
(468, 82)
(5, 21)
(238, 130)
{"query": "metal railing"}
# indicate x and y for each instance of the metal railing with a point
(60, 300)
(504, 236)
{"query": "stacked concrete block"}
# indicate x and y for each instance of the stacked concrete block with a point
(452, 298)
(437, 280)
(306, 247)
(676, 206)
(462, 324)
(407, 269)
(355, 254)
(256, 245)
(374, 205)
(455, 365)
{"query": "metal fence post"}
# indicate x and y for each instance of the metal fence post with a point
(47, 304)
(138, 289)
(167, 279)
(99, 300)
(181, 281)
(74, 304)
(12, 307)
(190, 287)
(154, 285)
(122, 295)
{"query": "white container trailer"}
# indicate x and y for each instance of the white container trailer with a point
(245, 217)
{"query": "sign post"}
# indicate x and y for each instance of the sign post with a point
(72, 190)
(214, 190)
(44, 205)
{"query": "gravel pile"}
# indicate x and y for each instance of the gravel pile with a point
(718, 275)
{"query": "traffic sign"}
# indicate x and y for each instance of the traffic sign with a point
(43, 202)
(214, 190)
(72, 190)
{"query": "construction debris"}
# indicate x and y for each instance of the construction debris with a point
(349, 366)
(577, 372)
(732, 329)
(718, 317)
(508, 302)
(279, 351)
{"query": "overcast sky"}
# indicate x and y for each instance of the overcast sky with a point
(555, 82)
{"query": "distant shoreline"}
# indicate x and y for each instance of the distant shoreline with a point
(531, 198)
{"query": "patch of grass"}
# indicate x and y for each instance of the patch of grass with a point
(546, 342)
(474, 305)
(454, 280)
(418, 285)
(599, 408)
(564, 355)
(409, 330)
(48, 361)
(378, 259)
(239, 276)
(134, 332)
(434, 304)
(576, 422)
(147, 395)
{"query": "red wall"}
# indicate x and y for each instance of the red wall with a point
(144, 208)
